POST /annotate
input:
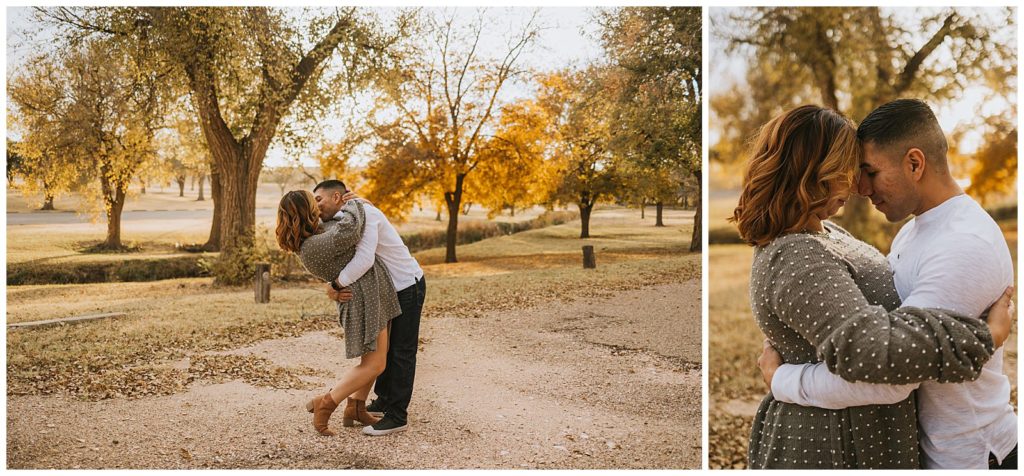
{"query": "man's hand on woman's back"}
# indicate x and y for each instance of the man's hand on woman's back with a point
(350, 195)
(340, 295)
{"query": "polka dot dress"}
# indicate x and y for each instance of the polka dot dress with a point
(374, 300)
(829, 297)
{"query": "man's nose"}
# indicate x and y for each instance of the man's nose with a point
(863, 185)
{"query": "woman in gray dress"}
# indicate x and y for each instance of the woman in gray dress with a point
(819, 294)
(324, 249)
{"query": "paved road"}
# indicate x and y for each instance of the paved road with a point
(69, 217)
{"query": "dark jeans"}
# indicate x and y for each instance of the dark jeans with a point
(1009, 462)
(394, 385)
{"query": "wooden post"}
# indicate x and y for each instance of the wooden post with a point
(589, 261)
(262, 283)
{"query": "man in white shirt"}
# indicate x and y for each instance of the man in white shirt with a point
(951, 255)
(380, 239)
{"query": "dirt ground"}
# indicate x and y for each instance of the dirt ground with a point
(609, 383)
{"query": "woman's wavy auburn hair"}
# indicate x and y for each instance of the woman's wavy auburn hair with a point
(298, 218)
(795, 161)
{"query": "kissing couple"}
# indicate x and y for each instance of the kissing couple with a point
(379, 287)
(875, 361)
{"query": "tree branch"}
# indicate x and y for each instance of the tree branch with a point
(271, 111)
(910, 70)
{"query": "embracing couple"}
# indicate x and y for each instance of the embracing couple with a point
(874, 361)
(379, 287)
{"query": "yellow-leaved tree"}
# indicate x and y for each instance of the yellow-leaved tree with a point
(106, 108)
(513, 172)
(38, 104)
(578, 108)
(437, 104)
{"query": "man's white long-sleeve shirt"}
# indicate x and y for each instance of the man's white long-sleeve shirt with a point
(381, 239)
(952, 257)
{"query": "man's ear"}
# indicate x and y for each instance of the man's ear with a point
(916, 162)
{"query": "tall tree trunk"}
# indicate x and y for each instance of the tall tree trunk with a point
(643, 209)
(239, 178)
(181, 185)
(585, 219)
(238, 210)
(213, 243)
(114, 208)
(233, 181)
(454, 202)
(438, 217)
(192, 183)
(512, 210)
(823, 65)
(143, 182)
(695, 238)
(465, 209)
(883, 54)
(202, 179)
(47, 198)
(659, 207)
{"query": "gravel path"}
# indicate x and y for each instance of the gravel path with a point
(612, 383)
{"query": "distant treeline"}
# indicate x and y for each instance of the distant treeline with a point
(176, 267)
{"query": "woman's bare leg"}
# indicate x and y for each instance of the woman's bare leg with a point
(362, 376)
(362, 393)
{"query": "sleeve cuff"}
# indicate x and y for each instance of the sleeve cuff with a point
(785, 380)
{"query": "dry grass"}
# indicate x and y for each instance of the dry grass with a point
(44, 244)
(720, 209)
(174, 319)
(734, 341)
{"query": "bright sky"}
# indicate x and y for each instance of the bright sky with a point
(726, 70)
(569, 37)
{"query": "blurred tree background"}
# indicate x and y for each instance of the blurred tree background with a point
(962, 61)
(433, 100)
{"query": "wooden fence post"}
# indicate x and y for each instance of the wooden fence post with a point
(589, 262)
(262, 283)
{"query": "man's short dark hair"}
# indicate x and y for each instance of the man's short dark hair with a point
(905, 123)
(331, 184)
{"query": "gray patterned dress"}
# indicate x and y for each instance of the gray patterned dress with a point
(829, 297)
(374, 300)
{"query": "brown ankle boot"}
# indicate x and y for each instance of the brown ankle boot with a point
(355, 410)
(321, 407)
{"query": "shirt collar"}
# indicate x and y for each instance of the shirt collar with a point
(939, 212)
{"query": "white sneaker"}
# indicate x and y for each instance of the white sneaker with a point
(385, 429)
